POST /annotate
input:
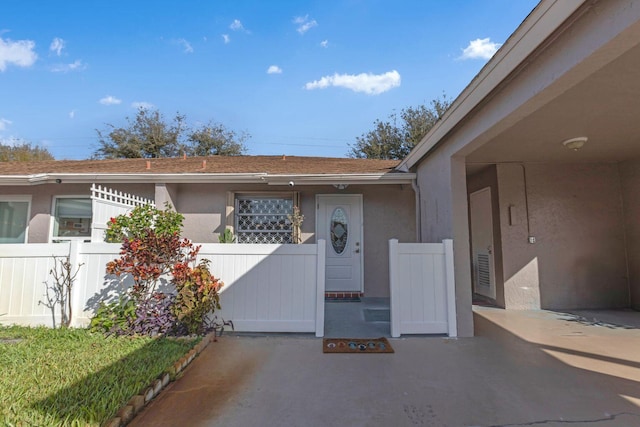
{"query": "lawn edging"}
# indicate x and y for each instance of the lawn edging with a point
(138, 402)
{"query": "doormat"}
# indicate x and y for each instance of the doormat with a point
(356, 345)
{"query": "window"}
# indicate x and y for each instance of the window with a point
(14, 219)
(264, 218)
(71, 218)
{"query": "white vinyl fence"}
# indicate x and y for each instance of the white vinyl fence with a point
(107, 203)
(422, 288)
(268, 288)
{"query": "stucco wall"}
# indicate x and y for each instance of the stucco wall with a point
(42, 202)
(443, 207)
(389, 212)
(630, 184)
(519, 267)
(575, 213)
(203, 207)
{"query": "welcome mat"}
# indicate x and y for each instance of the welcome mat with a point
(356, 345)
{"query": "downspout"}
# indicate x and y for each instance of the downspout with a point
(416, 190)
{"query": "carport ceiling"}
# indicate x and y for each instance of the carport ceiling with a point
(605, 107)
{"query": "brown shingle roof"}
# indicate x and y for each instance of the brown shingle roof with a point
(212, 164)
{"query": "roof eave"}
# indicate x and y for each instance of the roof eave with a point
(330, 179)
(79, 178)
(547, 16)
(231, 178)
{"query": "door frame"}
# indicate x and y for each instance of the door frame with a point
(492, 291)
(358, 197)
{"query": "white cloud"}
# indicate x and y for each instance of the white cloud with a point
(18, 53)
(324, 43)
(76, 65)
(226, 38)
(72, 114)
(142, 105)
(57, 45)
(274, 69)
(4, 123)
(236, 25)
(185, 44)
(110, 100)
(304, 24)
(371, 84)
(480, 49)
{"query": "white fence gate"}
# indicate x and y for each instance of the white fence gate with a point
(268, 288)
(422, 288)
(107, 203)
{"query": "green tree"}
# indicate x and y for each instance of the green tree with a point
(395, 137)
(214, 139)
(150, 135)
(22, 151)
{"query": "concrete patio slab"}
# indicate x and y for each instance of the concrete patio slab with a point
(522, 369)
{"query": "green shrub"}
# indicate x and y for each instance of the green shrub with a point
(152, 250)
(197, 295)
(115, 317)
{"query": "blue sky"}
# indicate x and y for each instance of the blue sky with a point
(301, 77)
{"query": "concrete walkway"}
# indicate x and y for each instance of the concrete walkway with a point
(522, 369)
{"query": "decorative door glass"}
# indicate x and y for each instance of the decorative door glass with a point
(339, 230)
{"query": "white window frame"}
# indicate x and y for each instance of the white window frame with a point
(56, 239)
(20, 198)
(232, 196)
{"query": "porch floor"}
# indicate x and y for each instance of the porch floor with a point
(347, 319)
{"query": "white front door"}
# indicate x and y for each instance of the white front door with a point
(480, 208)
(339, 223)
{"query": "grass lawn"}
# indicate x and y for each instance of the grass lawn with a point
(69, 377)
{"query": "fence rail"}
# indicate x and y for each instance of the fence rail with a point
(268, 288)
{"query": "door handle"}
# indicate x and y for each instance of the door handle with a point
(357, 251)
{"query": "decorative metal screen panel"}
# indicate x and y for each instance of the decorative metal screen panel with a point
(263, 220)
(484, 275)
(339, 230)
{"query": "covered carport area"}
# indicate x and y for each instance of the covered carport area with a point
(539, 222)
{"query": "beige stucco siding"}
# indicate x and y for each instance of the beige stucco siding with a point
(519, 268)
(576, 215)
(203, 207)
(630, 184)
(388, 212)
(42, 202)
(443, 207)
